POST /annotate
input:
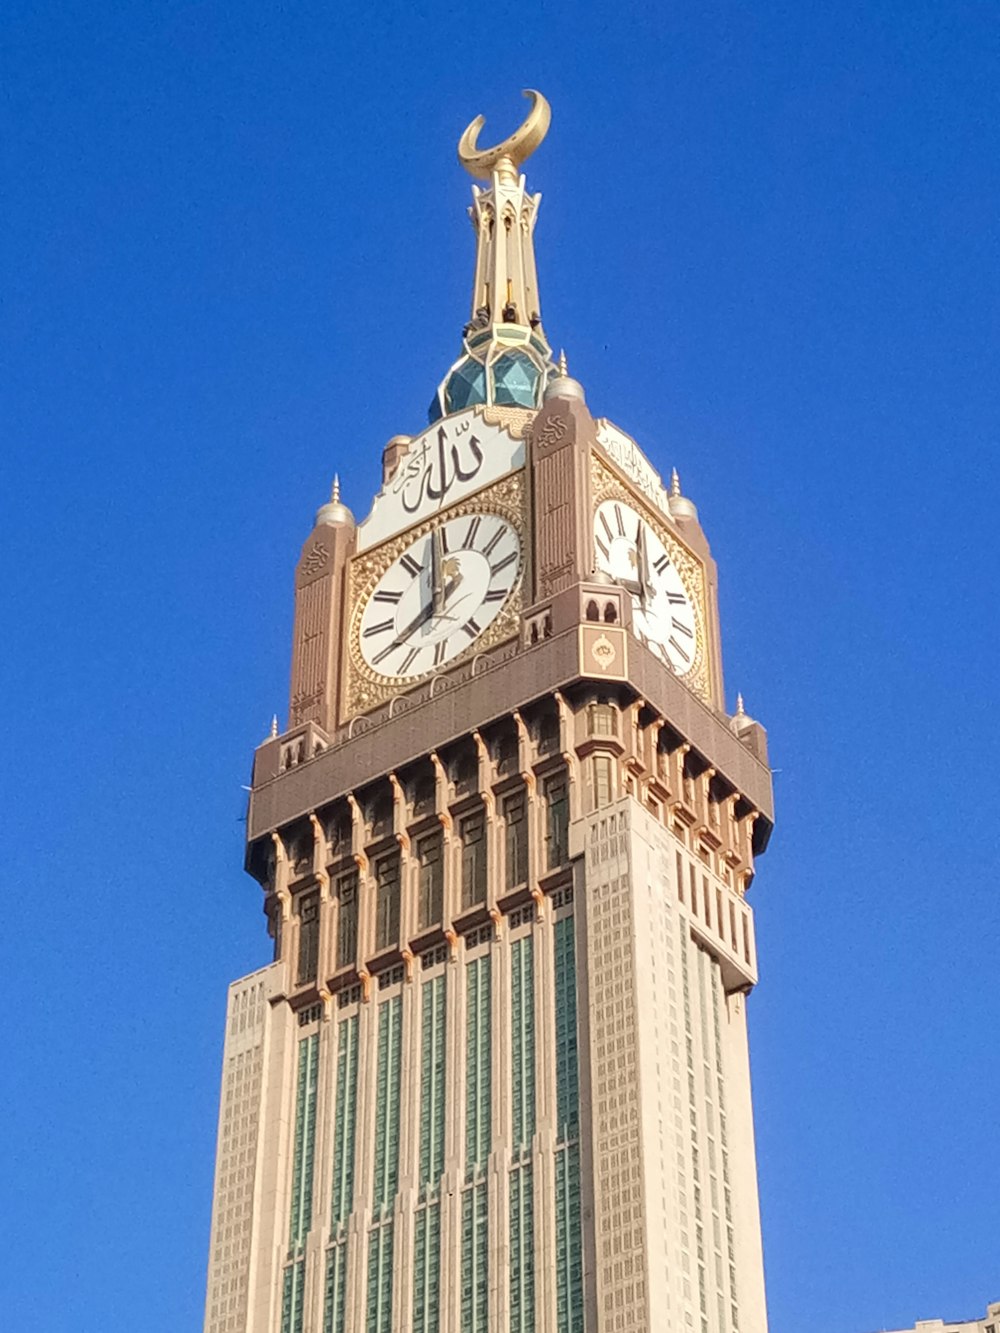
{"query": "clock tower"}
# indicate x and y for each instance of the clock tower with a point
(496, 1076)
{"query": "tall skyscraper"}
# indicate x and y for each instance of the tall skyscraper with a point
(496, 1077)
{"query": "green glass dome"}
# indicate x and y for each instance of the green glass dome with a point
(515, 380)
(466, 385)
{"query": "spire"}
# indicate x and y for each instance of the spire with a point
(506, 359)
(334, 513)
(273, 734)
(563, 366)
(505, 289)
(681, 508)
(739, 698)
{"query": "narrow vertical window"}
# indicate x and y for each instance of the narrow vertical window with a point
(472, 832)
(432, 1082)
(308, 960)
(347, 918)
(567, 1073)
(430, 891)
(304, 1142)
(569, 1249)
(427, 1270)
(556, 822)
(335, 1289)
(569, 1252)
(522, 1041)
(477, 1065)
(380, 1279)
(345, 1113)
(475, 1265)
(515, 840)
(387, 901)
(390, 1014)
(292, 1292)
(601, 780)
(522, 1251)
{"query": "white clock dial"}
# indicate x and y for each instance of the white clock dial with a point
(438, 597)
(663, 615)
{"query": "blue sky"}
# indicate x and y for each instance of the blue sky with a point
(235, 260)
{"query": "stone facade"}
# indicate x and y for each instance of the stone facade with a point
(496, 1077)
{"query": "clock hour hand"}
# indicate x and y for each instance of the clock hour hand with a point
(425, 613)
(437, 582)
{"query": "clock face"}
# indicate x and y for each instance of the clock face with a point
(663, 615)
(439, 596)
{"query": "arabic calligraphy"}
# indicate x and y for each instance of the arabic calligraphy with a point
(437, 466)
(455, 457)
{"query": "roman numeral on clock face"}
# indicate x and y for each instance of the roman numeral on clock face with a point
(408, 661)
(381, 656)
(380, 628)
(661, 564)
(676, 598)
(409, 564)
(384, 595)
(494, 542)
(495, 595)
(469, 541)
(472, 628)
(681, 652)
(682, 629)
(502, 564)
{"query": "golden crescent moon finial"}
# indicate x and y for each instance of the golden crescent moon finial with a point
(482, 162)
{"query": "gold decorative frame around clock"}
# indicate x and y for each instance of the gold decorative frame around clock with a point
(366, 688)
(605, 485)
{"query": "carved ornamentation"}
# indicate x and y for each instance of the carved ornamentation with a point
(514, 420)
(315, 559)
(551, 432)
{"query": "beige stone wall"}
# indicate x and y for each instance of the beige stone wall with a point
(675, 1199)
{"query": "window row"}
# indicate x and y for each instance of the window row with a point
(429, 855)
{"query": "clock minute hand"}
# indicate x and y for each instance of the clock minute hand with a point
(646, 590)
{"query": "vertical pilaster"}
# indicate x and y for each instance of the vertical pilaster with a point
(319, 633)
(559, 444)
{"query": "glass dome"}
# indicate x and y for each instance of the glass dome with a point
(515, 380)
(466, 385)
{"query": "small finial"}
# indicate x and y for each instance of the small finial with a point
(274, 727)
(675, 483)
(335, 492)
(563, 367)
(740, 712)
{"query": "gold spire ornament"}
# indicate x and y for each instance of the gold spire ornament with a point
(507, 157)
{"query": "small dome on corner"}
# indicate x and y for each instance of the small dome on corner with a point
(334, 514)
(562, 385)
